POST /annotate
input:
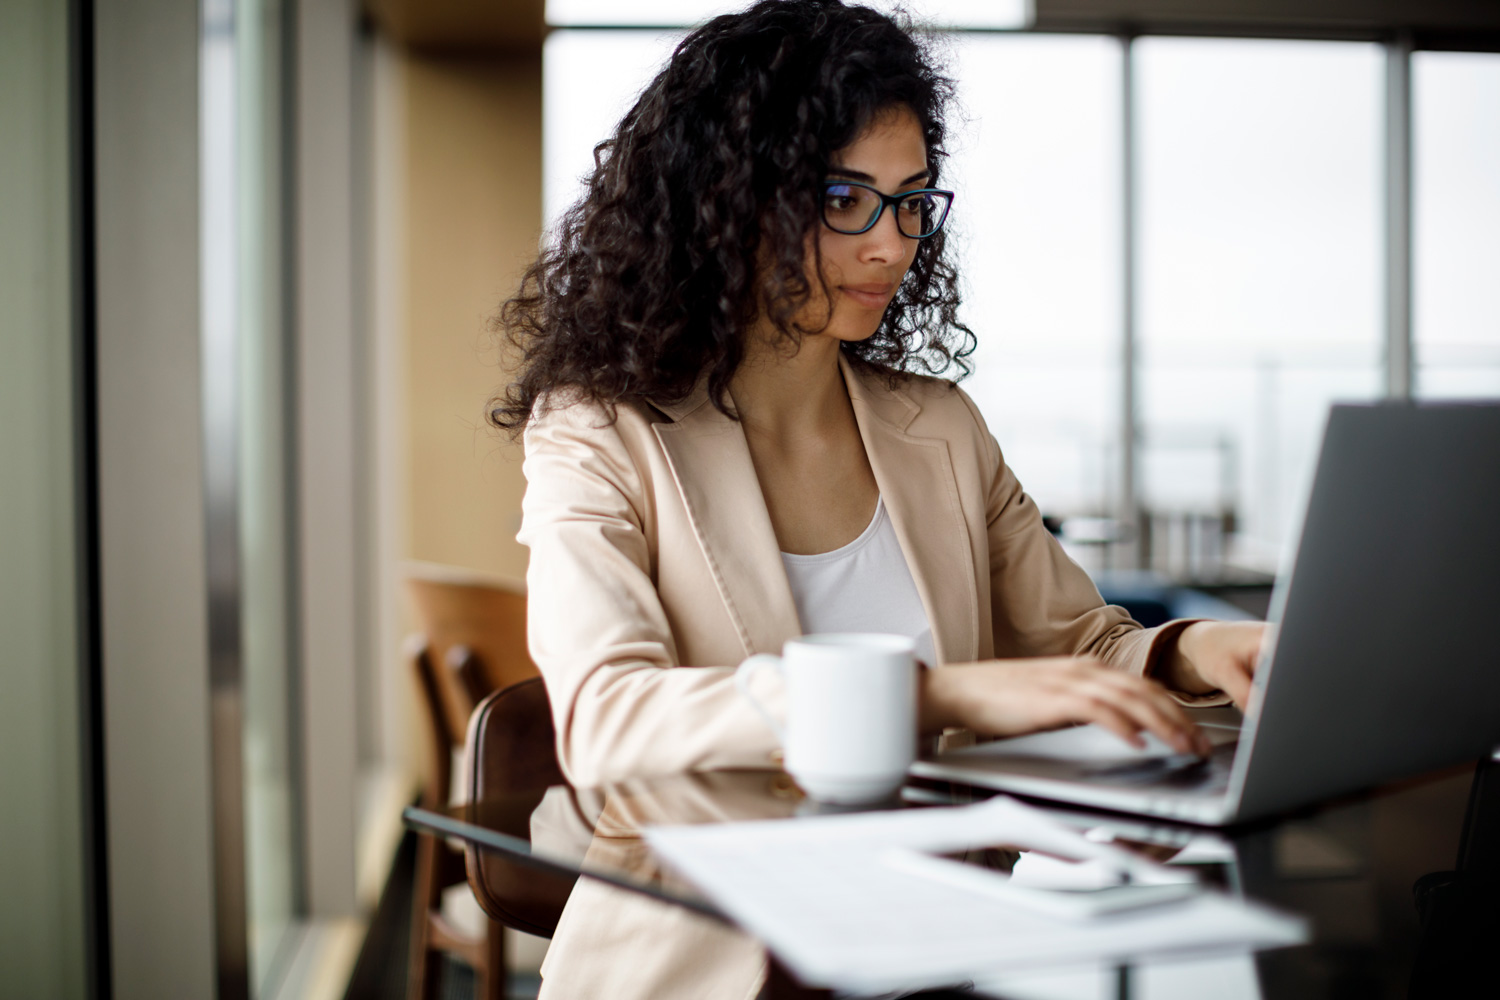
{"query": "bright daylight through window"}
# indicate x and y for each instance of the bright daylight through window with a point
(1257, 252)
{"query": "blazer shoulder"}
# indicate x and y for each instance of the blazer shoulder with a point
(948, 412)
(944, 400)
(570, 434)
(934, 386)
(586, 417)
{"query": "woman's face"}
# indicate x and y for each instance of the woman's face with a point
(863, 272)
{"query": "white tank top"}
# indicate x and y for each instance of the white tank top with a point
(864, 586)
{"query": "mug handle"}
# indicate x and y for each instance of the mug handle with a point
(742, 676)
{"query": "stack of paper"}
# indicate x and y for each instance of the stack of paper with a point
(841, 903)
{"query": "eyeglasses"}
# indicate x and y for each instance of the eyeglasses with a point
(851, 208)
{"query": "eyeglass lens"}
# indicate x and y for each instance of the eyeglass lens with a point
(855, 208)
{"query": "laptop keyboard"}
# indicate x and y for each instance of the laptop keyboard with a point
(1178, 771)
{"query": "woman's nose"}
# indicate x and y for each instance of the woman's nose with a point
(884, 241)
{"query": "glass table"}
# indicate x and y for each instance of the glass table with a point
(1399, 886)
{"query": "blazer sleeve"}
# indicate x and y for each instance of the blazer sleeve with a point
(1043, 603)
(622, 704)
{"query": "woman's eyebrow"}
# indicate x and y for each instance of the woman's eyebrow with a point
(859, 175)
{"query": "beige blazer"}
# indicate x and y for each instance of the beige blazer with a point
(655, 570)
(625, 946)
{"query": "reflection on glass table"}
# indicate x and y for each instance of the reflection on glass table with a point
(1398, 887)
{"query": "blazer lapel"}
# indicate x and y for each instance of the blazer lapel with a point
(916, 480)
(711, 464)
(710, 461)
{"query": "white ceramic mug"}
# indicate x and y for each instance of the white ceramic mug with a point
(851, 727)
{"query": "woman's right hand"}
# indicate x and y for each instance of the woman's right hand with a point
(1014, 697)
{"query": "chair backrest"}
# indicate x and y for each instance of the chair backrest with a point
(483, 613)
(510, 759)
(472, 641)
(437, 724)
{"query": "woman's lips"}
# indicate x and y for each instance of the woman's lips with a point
(869, 296)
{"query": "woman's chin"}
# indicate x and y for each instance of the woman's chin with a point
(854, 325)
(854, 334)
(848, 329)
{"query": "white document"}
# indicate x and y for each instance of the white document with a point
(824, 895)
(1198, 977)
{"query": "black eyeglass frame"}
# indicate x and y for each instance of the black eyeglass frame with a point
(886, 200)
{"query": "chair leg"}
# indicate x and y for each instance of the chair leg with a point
(421, 971)
(492, 977)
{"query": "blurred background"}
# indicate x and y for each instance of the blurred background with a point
(249, 253)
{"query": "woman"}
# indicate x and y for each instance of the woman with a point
(734, 432)
(733, 435)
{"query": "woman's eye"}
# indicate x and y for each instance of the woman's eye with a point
(914, 204)
(840, 202)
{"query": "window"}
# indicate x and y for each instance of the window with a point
(1259, 251)
(1456, 223)
(249, 467)
(1037, 222)
(589, 80)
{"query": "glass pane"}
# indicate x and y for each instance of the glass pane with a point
(589, 80)
(1260, 261)
(43, 911)
(243, 315)
(1038, 234)
(1035, 168)
(1456, 223)
(945, 13)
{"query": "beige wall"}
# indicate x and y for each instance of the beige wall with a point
(464, 226)
(473, 208)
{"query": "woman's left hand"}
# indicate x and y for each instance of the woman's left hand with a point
(1214, 656)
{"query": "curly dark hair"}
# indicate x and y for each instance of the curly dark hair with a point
(694, 219)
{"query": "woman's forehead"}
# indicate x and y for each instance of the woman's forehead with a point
(892, 144)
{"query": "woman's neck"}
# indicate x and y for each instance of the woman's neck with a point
(786, 395)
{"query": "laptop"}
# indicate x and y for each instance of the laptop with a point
(1383, 656)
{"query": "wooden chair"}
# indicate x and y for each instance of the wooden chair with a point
(510, 759)
(473, 641)
(475, 624)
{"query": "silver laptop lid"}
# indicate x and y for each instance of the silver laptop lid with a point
(1386, 655)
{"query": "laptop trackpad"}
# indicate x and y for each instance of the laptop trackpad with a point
(1083, 744)
(1090, 753)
